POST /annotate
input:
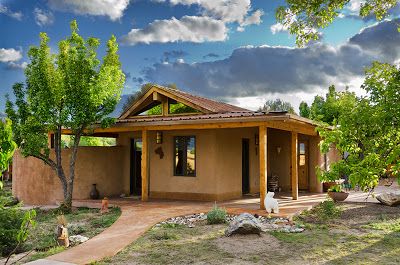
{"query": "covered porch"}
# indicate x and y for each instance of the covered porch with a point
(287, 206)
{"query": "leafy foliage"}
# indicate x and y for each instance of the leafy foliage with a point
(7, 145)
(277, 105)
(336, 188)
(216, 215)
(304, 18)
(327, 110)
(304, 110)
(322, 213)
(15, 225)
(68, 90)
(367, 132)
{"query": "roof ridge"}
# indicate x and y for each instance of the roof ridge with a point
(203, 98)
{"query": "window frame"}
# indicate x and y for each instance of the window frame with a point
(184, 174)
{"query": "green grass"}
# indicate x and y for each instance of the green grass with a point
(387, 225)
(82, 221)
(44, 254)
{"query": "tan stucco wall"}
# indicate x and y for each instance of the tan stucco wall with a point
(218, 165)
(36, 183)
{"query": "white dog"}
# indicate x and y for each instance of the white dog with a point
(271, 204)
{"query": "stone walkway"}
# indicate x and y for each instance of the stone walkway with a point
(137, 217)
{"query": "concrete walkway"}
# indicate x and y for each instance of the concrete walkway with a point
(137, 217)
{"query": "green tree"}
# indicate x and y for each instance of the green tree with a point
(7, 145)
(70, 90)
(304, 110)
(328, 109)
(304, 17)
(277, 105)
(368, 131)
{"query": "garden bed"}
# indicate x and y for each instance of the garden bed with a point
(82, 221)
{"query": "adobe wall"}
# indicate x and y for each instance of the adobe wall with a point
(35, 183)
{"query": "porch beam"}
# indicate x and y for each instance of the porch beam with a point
(150, 126)
(263, 163)
(294, 168)
(145, 160)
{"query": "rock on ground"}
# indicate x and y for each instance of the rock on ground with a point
(389, 198)
(78, 239)
(244, 224)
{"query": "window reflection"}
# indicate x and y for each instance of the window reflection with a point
(185, 156)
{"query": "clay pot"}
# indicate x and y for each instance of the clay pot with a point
(94, 193)
(327, 185)
(338, 196)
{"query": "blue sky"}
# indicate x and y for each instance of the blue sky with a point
(230, 50)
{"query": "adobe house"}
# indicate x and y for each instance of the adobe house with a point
(210, 151)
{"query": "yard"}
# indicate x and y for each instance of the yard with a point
(345, 233)
(42, 242)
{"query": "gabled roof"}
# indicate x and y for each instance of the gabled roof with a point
(204, 105)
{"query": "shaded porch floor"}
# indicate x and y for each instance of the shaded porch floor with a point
(251, 204)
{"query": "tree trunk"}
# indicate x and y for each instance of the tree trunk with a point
(59, 168)
(70, 186)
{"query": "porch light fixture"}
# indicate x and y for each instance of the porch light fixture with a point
(256, 139)
(159, 137)
(278, 150)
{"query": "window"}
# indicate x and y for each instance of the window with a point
(185, 156)
(302, 151)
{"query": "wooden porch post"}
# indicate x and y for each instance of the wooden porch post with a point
(294, 168)
(263, 163)
(145, 160)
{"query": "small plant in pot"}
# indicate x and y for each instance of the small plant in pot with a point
(337, 194)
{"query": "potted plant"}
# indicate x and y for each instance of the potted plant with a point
(337, 194)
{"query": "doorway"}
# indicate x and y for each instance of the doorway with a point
(303, 165)
(135, 185)
(245, 167)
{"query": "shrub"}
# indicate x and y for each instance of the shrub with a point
(216, 215)
(10, 223)
(321, 213)
(336, 188)
(328, 210)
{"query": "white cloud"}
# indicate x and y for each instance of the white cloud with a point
(278, 27)
(6, 11)
(253, 19)
(114, 9)
(14, 65)
(9, 55)
(188, 28)
(43, 17)
(354, 6)
(290, 73)
(225, 10)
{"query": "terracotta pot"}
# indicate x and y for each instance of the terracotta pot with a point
(94, 193)
(338, 196)
(327, 185)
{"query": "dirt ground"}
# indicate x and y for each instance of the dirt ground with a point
(348, 233)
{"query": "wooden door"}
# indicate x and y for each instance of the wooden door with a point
(136, 167)
(245, 167)
(303, 165)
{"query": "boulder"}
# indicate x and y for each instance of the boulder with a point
(78, 239)
(244, 224)
(389, 198)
